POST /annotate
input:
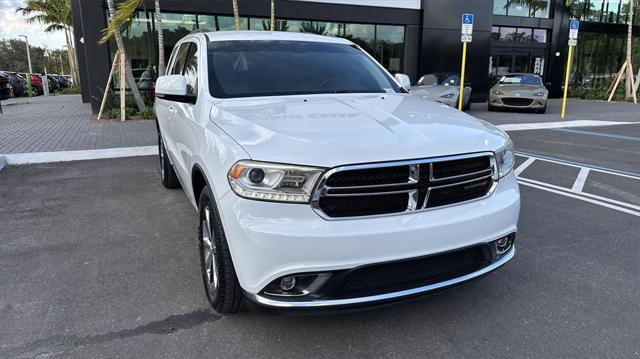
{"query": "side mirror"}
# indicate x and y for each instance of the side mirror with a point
(403, 80)
(173, 85)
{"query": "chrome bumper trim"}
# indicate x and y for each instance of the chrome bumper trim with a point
(268, 302)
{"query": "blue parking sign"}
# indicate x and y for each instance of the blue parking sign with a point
(573, 25)
(467, 19)
(467, 25)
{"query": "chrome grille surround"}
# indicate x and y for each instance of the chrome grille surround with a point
(415, 166)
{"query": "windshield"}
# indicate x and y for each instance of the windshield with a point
(520, 80)
(273, 68)
(442, 79)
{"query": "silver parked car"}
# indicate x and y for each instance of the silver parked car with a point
(442, 87)
(519, 91)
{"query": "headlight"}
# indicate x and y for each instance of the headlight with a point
(449, 95)
(541, 93)
(505, 159)
(273, 182)
(496, 92)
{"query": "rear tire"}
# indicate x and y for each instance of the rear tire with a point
(490, 108)
(167, 173)
(218, 273)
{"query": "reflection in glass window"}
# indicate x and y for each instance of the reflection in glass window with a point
(175, 27)
(518, 8)
(540, 35)
(363, 35)
(221, 23)
(495, 33)
(499, 7)
(540, 8)
(390, 47)
(507, 33)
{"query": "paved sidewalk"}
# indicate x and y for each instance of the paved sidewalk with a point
(62, 123)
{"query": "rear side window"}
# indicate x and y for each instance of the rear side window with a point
(191, 70)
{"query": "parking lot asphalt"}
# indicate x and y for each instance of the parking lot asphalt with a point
(100, 261)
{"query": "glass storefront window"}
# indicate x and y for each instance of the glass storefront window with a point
(508, 34)
(361, 34)
(499, 7)
(540, 35)
(175, 27)
(518, 8)
(390, 47)
(221, 23)
(594, 10)
(495, 33)
(540, 8)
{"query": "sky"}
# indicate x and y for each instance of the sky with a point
(13, 24)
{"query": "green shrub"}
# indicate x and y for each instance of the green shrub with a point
(148, 114)
(69, 91)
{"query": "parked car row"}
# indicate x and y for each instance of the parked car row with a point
(13, 84)
(517, 91)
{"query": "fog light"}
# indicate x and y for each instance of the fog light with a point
(287, 283)
(503, 245)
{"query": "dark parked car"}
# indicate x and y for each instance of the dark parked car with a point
(63, 82)
(5, 89)
(54, 86)
(36, 84)
(16, 83)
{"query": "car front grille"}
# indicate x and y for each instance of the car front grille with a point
(516, 101)
(413, 273)
(397, 187)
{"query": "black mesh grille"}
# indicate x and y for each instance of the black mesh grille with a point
(350, 206)
(458, 193)
(515, 101)
(368, 177)
(414, 273)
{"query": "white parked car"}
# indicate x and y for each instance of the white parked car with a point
(320, 182)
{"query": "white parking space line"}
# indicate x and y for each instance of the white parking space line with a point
(576, 190)
(578, 185)
(560, 124)
(580, 165)
(63, 156)
(582, 198)
(524, 166)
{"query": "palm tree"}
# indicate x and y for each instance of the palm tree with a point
(236, 14)
(161, 66)
(117, 19)
(56, 14)
(273, 16)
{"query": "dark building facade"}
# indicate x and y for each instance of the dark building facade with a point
(409, 36)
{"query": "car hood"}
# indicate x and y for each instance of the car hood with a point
(522, 89)
(433, 91)
(331, 130)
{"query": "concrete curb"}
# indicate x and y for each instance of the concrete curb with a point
(3, 163)
(65, 156)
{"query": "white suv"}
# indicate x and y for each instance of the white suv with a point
(320, 182)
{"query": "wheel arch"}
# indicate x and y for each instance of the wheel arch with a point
(198, 182)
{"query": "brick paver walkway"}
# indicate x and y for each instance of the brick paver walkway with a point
(62, 123)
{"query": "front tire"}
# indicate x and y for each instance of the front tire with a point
(167, 173)
(218, 273)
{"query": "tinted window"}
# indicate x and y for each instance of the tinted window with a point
(271, 68)
(191, 70)
(181, 56)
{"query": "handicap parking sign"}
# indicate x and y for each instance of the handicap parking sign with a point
(467, 24)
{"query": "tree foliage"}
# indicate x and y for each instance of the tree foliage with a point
(14, 58)
(121, 18)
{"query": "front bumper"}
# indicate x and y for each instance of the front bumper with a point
(271, 240)
(537, 103)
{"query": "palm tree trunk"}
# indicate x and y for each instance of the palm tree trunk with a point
(273, 15)
(627, 88)
(236, 14)
(73, 64)
(127, 67)
(161, 66)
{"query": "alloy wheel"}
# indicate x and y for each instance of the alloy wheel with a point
(208, 253)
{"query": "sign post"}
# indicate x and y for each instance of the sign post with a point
(465, 37)
(574, 26)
